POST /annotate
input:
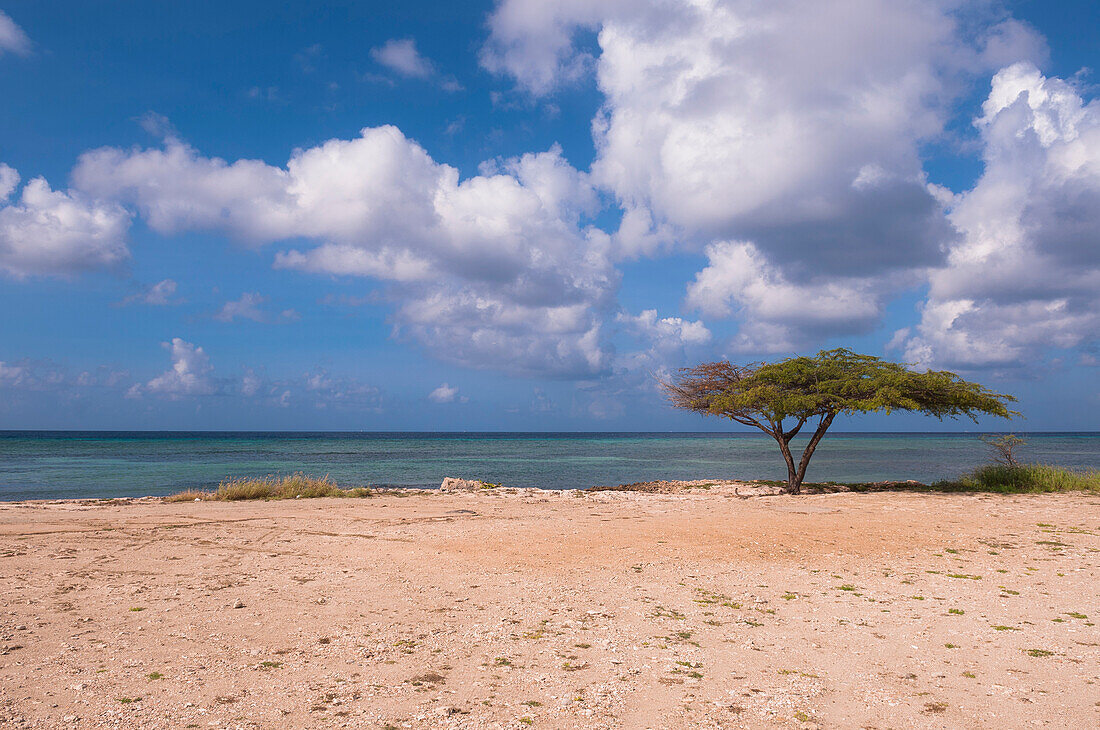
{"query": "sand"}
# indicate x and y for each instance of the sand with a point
(587, 610)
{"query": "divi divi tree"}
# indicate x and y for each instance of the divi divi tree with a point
(782, 398)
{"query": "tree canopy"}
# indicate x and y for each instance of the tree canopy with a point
(780, 398)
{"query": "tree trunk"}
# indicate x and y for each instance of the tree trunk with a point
(796, 474)
(814, 441)
(794, 484)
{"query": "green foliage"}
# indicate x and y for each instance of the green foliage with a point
(1023, 478)
(831, 382)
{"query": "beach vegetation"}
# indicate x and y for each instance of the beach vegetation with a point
(293, 486)
(1023, 478)
(781, 398)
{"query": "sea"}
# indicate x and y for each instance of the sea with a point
(101, 464)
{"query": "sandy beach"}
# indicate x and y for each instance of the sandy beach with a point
(510, 609)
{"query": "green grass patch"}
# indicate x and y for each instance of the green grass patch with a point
(1025, 478)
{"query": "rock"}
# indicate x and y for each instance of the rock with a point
(454, 484)
(238, 604)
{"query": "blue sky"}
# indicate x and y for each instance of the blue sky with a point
(518, 215)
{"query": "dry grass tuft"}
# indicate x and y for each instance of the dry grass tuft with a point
(294, 486)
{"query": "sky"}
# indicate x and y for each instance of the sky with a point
(522, 214)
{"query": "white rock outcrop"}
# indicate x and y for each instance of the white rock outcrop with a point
(454, 484)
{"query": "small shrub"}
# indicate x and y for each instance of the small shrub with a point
(1004, 448)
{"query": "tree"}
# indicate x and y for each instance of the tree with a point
(796, 391)
(1004, 448)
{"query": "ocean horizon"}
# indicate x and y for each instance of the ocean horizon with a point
(103, 464)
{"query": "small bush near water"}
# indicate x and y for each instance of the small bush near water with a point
(1023, 478)
(287, 487)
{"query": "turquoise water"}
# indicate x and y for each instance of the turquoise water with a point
(48, 465)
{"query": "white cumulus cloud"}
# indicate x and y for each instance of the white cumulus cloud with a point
(48, 232)
(777, 314)
(190, 374)
(443, 394)
(666, 332)
(795, 127)
(507, 275)
(1026, 274)
(401, 55)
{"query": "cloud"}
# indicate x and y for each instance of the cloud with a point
(9, 179)
(247, 307)
(1025, 277)
(327, 390)
(250, 383)
(157, 295)
(318, 389)
(666, 332)
(12, 37)
(443, 394)
(778, 315)
(308, 58)
(250, 306)
(189, 375)
(533, 41)
(48, 376)
(32, 375)
(53, 233)
(506, 274)
(744, 121)
(400, 55)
